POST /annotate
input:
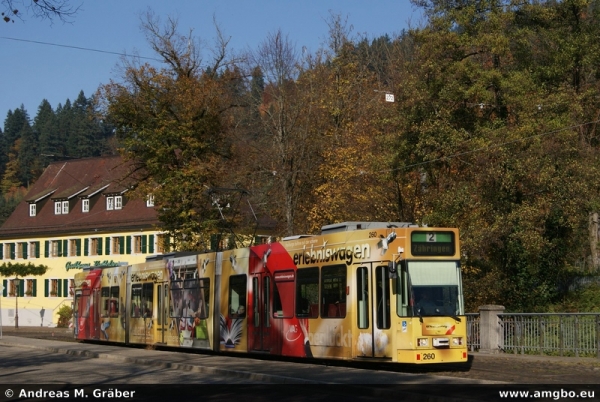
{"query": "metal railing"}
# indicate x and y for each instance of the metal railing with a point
(553, 334)
(473, 333)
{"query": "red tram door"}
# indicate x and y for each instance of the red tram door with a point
(260, 324)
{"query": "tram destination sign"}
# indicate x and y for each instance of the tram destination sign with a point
(432, 243)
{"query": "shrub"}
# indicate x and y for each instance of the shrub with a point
(64, 316)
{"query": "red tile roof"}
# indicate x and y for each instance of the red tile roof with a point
(74, 180)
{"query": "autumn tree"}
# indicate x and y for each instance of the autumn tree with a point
(352, 180)
(281, 139)
(172, 123)
(497, 143)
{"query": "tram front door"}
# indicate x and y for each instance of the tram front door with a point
(373, 309)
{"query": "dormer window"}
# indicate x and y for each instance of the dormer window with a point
(85, 205)
(118, 202)
(32, 209)
(110, 203)
(150, 200)
(61, 207)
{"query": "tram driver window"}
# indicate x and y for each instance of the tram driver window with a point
(237, 296)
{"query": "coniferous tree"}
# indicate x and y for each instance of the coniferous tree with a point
(45, 127)
(29, 162)
(13, 125)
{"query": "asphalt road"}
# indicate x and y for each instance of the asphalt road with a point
(514, 369)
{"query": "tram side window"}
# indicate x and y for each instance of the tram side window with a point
(141, 300)
(136, 301)
(283, 295)
(307, 293)
(104, 299)
(333, 291)
(195, 298)
(147, 299)
(114, 301)
(109, 300)
(85, 303)
(237, 296)
(176, 306)
(203, 298)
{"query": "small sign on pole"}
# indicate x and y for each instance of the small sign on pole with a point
(389, 97)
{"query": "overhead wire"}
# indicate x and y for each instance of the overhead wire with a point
(79, 48)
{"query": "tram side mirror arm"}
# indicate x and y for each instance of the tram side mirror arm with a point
(392, 270)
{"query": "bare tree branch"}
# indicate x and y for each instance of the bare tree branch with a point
(42, 9)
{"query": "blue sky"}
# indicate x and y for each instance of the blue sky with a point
(31, 72)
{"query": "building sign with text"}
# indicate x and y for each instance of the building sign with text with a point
(95, 264)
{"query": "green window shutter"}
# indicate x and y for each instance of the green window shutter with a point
(128, 244)
(12, 251)
(22, 288)
(65, 248)
(78, 243)
(65, 288)
(99, 246)
(121, 244)
(107, 245)
(86, 247)
(46, 287)
(59, 248)
(151, 244)
(144, 243)
(24, 245)
(37, 249)
(47, 248)
(59, 290)
(4, 286)
(34, 290)
(1, 251)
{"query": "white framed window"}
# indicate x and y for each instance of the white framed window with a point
(110, 203)
(65, 207)
(57, 208)
(34, 249)
(85, 205)
(13, 289)
(54, 244)
(118, 202)
(137, 244)
(150, 200)
(21, 250)
(30, 287)
(116, 245)
(73, 247)
(32, 209)
(96, 246)
(160, 243)
(53, 291)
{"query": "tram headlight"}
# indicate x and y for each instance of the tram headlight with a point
(457, 341)
(422, 342)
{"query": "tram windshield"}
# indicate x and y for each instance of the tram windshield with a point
(434, 289)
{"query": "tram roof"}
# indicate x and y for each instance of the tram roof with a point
(350, 226)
